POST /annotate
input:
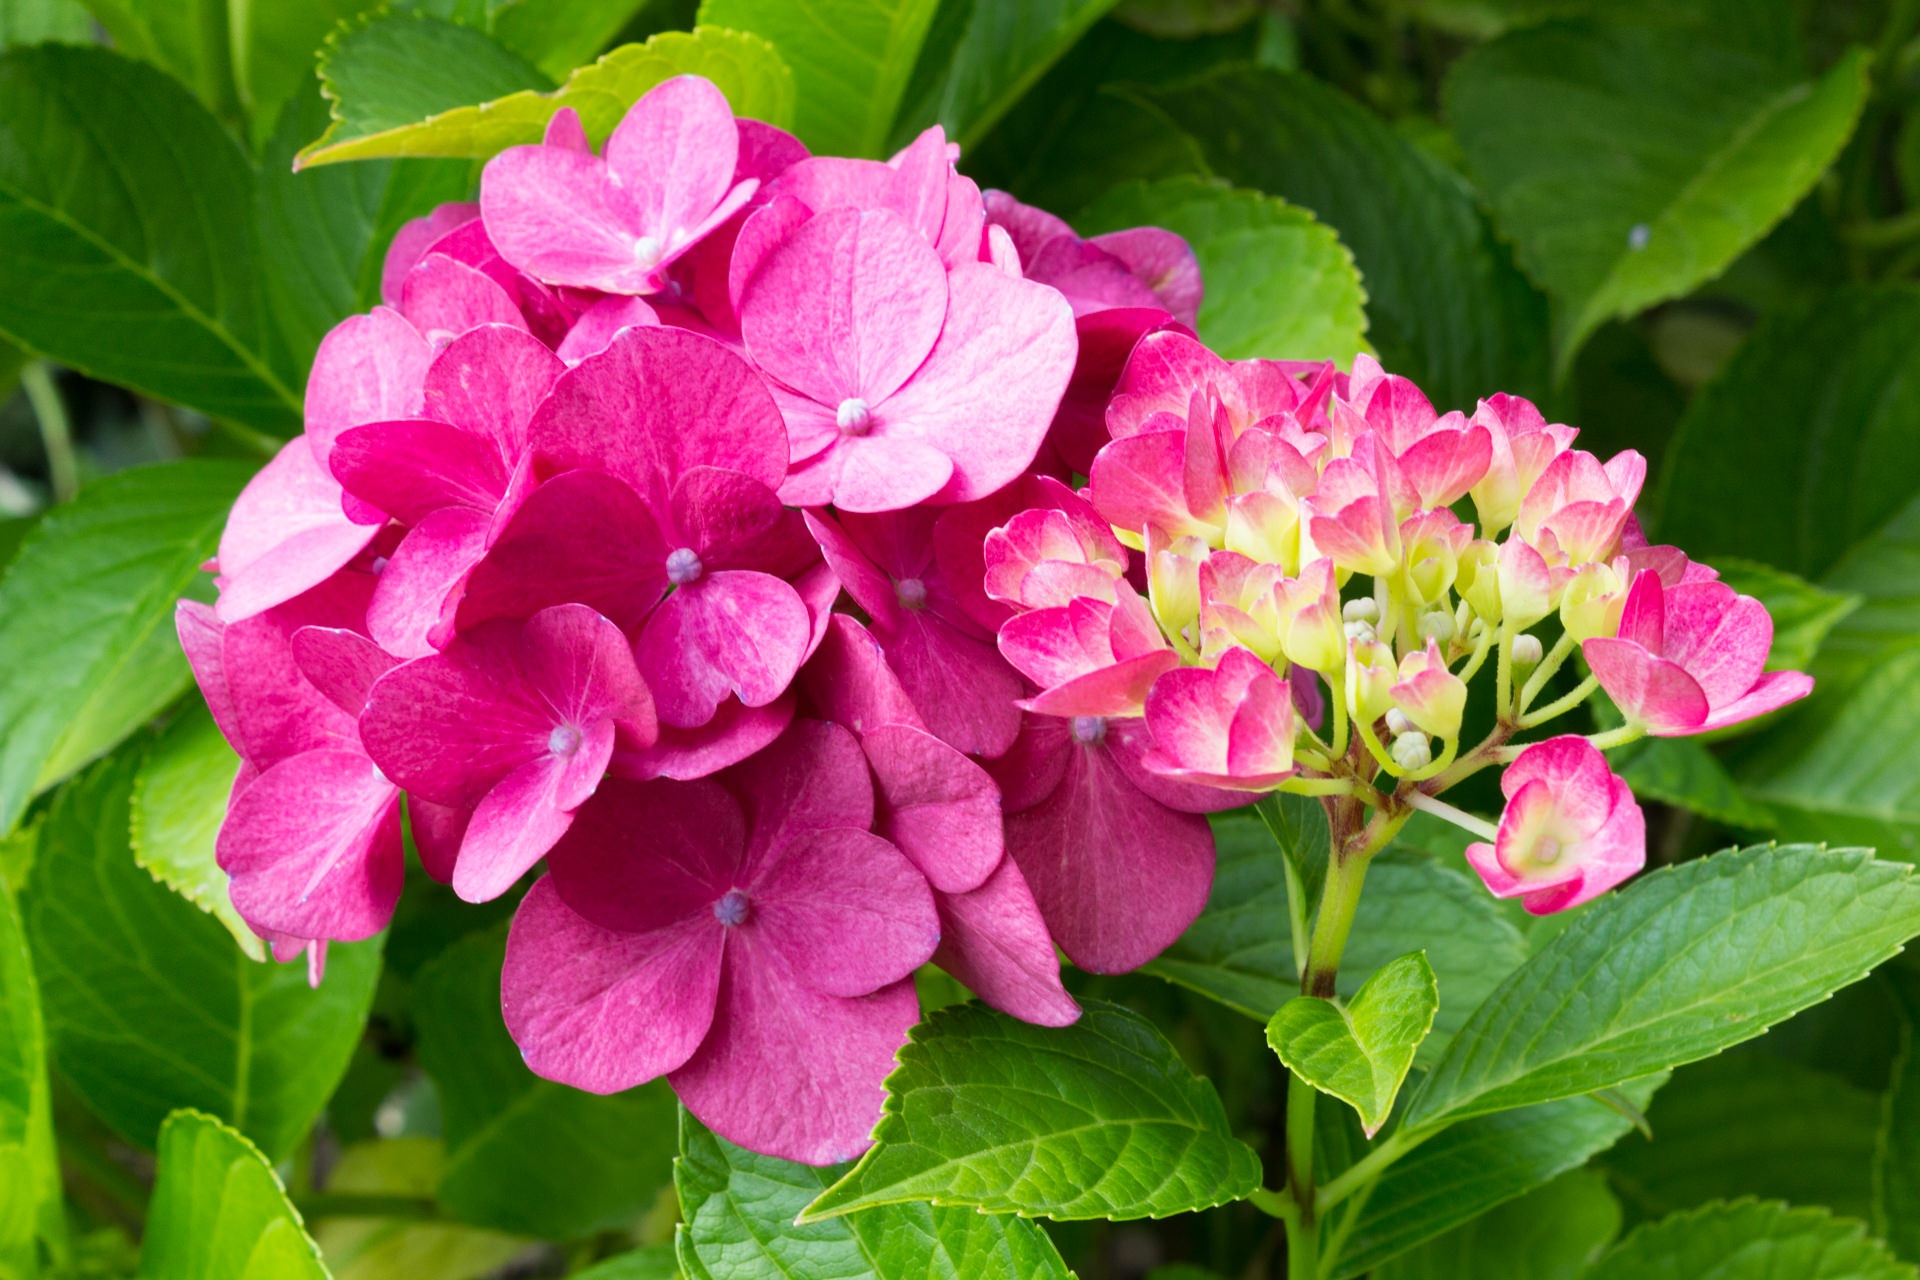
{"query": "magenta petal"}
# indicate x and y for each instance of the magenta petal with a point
(369, 368)
(604, 1010)
(443, 299)
(813, 779)
(961, 685)
(341, 664)
(1650, 691)
(490, 381)
(870, 588)
(735, 732)
(733, 632)
(438, 830)
(512, 828)
(584, 668)
(792, 1073)
(876, 474)
(674, 154)
(413, 239)
(565, 131)
(849, 683)
(313, 846)
(202, 636)
(557, 215)
(601, 323)
(940, 808)
(995, 942)
(1771, 691)
(285, 535)
(412, 611)
(846, 912)
(735, 522)
(411, 468)
(644, 856)
(1165, 263)
(1137, 481)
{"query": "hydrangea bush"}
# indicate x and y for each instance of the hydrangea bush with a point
(793, 630)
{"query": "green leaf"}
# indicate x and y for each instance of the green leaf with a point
(125, 210)
(1751, 1240)
(1100, 1119)
(850, 59)
(397, 1248)
(1238, 952)
(30, 1194)
(187, 39)
(1286, 288)
(34, 21)
(1751, 1124)
(272, 44)
(1446, 305)
(1630, 164)
(1361, 1052)
(179, 801)
(651, 1262)
(1464, 1171)
(1896, 1157)
(86, 617)
(526, 1154)
(1685, 962)
(737, 1223)
(1552, 1233)
(1818, 409)
(1004, 48)
(1803, 614)
(219, 1212)
(149, 1004)
(558, 35)
(745, 67)
(1883, 571)
(1681, 771)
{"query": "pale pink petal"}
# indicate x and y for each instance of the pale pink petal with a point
(1648, 690)
(558, 216)
(674, 155)
(879, 473)
(369, 368)
(285, 535)
(566, 132)
(444, 299)
(1771, 691)
(413, 239)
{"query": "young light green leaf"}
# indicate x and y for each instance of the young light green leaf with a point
(745, 67)
(1751, 1124)
(1445, 303)
(1289, 289)
(525, 1154)
(1464, 1171)
(1005, 46)
(1100, 1119)
(1751, 1240)
(850, 59)
(1631, 163)
(150, 1006)
(1360, 1052)
(1554, 1232)
(86, 617)
(398, 1248)
(1685, 962)
(1896, 1160)
(1803, 614)
(179, 800)
(35, 21)
(738, 1214)
(219, 1211)
(129, 251)
(30, 1195)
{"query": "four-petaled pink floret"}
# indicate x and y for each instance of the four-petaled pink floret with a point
(1571, 829)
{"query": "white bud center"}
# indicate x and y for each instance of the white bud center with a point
(683, 566)
(731, 908)
(853, 417)
(647, 251)
(564, 740)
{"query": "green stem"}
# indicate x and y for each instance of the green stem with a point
(1560, 706)
(1503, 684)
(1299, 786)
(1303, 1226)
(1617, 737)
(1458, 817)
(56, 433)
(1544, 672)
(1479, 657)
(1337, 698)
(1365, 1171)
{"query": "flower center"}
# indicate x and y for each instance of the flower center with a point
(731, 908)
(647, 251)
(683, 566)
(1547, 852)
(912, 593)
(853, 416)
(564, 740)
(1087, 730)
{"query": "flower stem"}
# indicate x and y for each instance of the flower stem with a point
(1302, 786)
(1503, 686)
(56, 432)
(1458, 817)
(1544, 672)
(1560, 706)
(1617, 737)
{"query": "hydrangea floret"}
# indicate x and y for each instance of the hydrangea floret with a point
(807, 569)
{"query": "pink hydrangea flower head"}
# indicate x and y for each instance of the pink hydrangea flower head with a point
(1231, 725)
(1571, 829)
(1240, 607)
(515, 723)
(1353, 520)
(1691, 658)
(1141, 267)
(746, 936)
(1523, 445)
(1050, 555)
(1089, 657)
(1578, 508)
(901, 381)
(1429, 459)
(919, 185)
(1165, 369)
(616, 222)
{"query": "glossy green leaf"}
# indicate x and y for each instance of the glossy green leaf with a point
(86, 617)
(1238, 951)
(1751, 1240)
(272, 45)
(1464, 1171)
(1360, 1050)
(1004, 47)
(1445, 303)
(1803, 614)
(1681, 771)
(851, 60)
(745, 67)
(1896, 1158)
(179, 800)
(1552, 1233)
(30, 1194)
(650, 1262)
(399, 1248)
(125, 210)
(1286, 288)
(526, 1154)
(1750, 1123)
(737, 1212)
(1631, 163)
(1883, 571)
(219, 1211)
(558, 35)
(1100, 1119)
(150, 1006)
(1686, 961)
(34, 21)
(187, 39)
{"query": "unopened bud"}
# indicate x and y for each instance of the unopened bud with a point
(1527, 651)
(1437, 625)
(1397, 722)
(1412, 751)
(1365, 609)
(1358, 629)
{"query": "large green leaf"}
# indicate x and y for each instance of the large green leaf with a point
(272, 46)
(1750, 1123)
(525, 1154)
(1552, 1233)
(1446, 304)
(399, 1248)
(1685, 962)
(737, 1223)
(851, 60)
(1818, 411)
(1883, 572)
(1100, 1119)
(86, 617)
(1630, 164)
(185, 38)
(34, 21)
(649, 1262)
(1003, 48)
(179, 800)
(149, 1004)
(745, 67)
(125, 209)
(1238, 951)
(1285, 287)
(558, 35)
(1360, 1051)
(1751, 1240)
(1468, 1169)
(1896, 1161)
(30, 1204)
(219, 1212)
